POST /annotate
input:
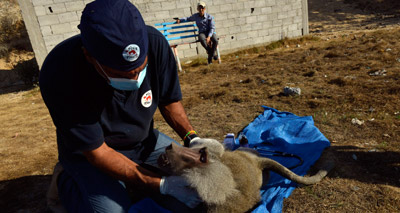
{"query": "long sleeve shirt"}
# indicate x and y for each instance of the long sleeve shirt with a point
(205, 24)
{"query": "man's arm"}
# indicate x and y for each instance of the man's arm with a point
(120, 167)
(212, 26)
(175, 115)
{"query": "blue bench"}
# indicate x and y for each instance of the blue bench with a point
(180, 34)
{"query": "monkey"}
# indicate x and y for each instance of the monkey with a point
(227, 181)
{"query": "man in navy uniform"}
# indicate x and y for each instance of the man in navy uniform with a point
(102, 88)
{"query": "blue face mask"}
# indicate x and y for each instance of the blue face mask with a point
(124, 83)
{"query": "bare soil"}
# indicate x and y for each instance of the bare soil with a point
(348, 70)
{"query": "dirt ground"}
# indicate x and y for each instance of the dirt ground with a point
(348, 70)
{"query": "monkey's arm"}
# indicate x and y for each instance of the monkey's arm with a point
(120, 167)
(176, 117)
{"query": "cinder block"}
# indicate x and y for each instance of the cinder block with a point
(182, 4)
(41, 2)
(270, 2)
(49, 48)
(259, 3)
(162, 14)
(150, 17)
(168, 5)
(74, 25)
(69, 35)
(56, 8)
(249, 4)
(190, 53)
(154, 6)
(68, 17)
(286, 7)
(53, 39)
(257, 26)
(274, 30)
(244, 13)
(266, 10)
(292, 27)
(241, 36)
(221, 16)
(252, 34)
(267, 24)
(272, 16)
(74, 6)
(211, 9)
(48, 20)
(180, 13)
(296, 5)
(262, 18)
(292, 13)
(276, 9)
(62, 1)
(297, 19)
(87, 1)
(245, 27)
(226, 8)
(234, 29)
(287, 21)
(276, 23)
(46, 31)
(40, 10)
(251, 19)
(282, 15)
(61, 28)
(237, 6)
(263, 32)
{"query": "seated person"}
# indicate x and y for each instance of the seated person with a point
(206, 24)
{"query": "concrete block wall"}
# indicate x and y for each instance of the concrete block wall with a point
(239, 23)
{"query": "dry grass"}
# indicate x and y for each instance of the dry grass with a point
(335, 71)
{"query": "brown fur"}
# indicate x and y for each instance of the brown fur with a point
(230, 181)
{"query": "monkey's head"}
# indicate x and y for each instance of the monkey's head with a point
(178, 158)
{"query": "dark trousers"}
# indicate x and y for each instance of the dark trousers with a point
(214, 44)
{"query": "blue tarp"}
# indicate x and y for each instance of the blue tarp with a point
(277, 131)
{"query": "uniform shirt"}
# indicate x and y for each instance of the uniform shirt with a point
(87, 111)
(205, 24)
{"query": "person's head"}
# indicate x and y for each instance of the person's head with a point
(201, 7)
(114, 38)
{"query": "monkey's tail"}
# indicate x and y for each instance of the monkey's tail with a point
(274, 166)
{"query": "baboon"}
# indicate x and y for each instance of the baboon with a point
(227, 181)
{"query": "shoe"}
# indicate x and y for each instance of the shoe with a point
(210, 57)
(215, 57)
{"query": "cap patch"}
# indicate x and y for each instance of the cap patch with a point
(131, 52)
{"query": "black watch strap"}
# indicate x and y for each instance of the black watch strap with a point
(188, 139)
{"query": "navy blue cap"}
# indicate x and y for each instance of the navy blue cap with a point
(114, 33)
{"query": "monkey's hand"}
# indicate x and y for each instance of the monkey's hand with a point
(179, 188)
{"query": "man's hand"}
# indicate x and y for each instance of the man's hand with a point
(208, 41)
(178, 187)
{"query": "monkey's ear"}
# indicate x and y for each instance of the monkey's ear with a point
(203, 155)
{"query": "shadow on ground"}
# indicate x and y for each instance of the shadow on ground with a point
(25, 194)
(24, 76)
(366, 165)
